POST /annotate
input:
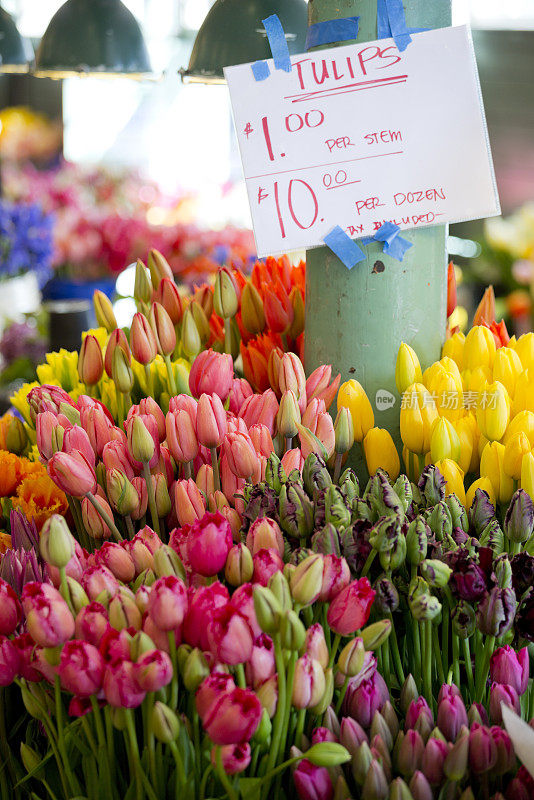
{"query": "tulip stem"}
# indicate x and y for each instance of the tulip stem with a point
(342, 694)
(215, 468)
(333, 651)
(187, 469)
(170, 376)
(151, 497)
(337, 466)
(438, 655)
(228, 335)
(395, 652)
(180, 771)
(279, 717)
(174, 659)
(483, 673)
(223, 777)
(61, 738)
(105, 516)
(426, 630)
(456, 658)
(82, 537)
(368, 563)
(469, 668)
(149, 380)
(289, 442)
(240, 673)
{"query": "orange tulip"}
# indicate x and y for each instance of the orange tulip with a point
(255, 355)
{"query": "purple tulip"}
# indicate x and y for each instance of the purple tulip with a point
(451, 716)
(482, 749)
(416, 709)
(511, 667)
(433, 759)
(364, 697)
(502, 693)
(313, 783)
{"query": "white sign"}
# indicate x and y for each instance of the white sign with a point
(397, 137)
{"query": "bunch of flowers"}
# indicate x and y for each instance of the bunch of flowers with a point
(26, 134)
(25, 241)
(103, 223)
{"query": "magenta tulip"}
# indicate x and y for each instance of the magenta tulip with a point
(153, 670)
(235, 757)
(313, 783)
(202, 605)
(167, 604)
(233, 718)
(350, 609)
(10, 610)
(120, 686)
(210, 690)
(9, 661)
(48, 618)
(91, 623)
(511, 667)
(229, 636)
(81, 668)
(209, 543)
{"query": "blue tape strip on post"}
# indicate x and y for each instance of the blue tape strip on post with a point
(260, 70)
(333, 30)
(397, 23)
(277, 42)
(394, 245)
(344, 247)
(383, 30)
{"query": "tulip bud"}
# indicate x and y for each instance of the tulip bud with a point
(191, 344)
(374, 636)
(493, 413)
(407, 369)
(252, 314)
(167, 562)
(16, 436)
(292, 631)
(123, 613)
(195, 670)
(352, 396)
(201, 322)
(163, 329)
(361, 762)
(296, 512)
(419, 787)
(435, 572)
(120, 492)
(159, 268)
(164, 723)
(381, 453)
(142, 340)
(375, 786)
(408, 693)
(90, 361)
(239, 565)
(417, 541)
(104, 311)
(352, 657)
(297, 301)
(455, 764)
(288, 416)
(519, 519)
(56, 542)
(225, 302)
(140, 440)
(308, 684)
(344, 431)
(267, 609)
(121, 371)
(306, 580)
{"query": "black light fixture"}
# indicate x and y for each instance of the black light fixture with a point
(93, 37)
(15, 52)
(232, 33)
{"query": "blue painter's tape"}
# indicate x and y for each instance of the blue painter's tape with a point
(277, 42)
(333, 30)
(260, 70)
(394, 245)
(383, 29)
(397, 23)
(344, 247)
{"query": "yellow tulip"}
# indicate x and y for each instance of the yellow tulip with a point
(450, 365)
(512, 343)
(411, 464)
(481, 483)
(491, 466)
(454, 348)
(407, 368)
(468, 434)
(527, 474)
(474, 381)
(524, 421)
(515, 448)
(506, 368)
(444, 441)
(482, 442)
(479, 348)
(19, 400)
(493, 411)
(524, 347)
(524, 392)
(381, 453)
(454, 477)
(61, 369)
(448, 394)
(352, 396)
(417, 415)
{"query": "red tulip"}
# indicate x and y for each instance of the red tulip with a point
(350, 609)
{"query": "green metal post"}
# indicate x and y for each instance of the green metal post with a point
(356, 320)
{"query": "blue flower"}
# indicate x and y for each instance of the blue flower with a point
(26, 241)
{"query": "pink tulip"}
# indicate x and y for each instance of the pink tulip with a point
(505, 751)
(235, 757)
(98, 579)
(74, 568)
(502, 693)
(231, 484)
(336, 577)
(482, 749)
(97, 426)
(48, 398)
(511, 667)
(241, 389)
(72, 473)
(81, 668)
(436, 751)
(260, 409)
(202, 604)
(323, 735)
(233, 718)
(240, 454)
(323, 428)
(309, 683)
(292, 459)
(167, 605)
(188, 502)
(318, 385)
(291, 376)
(315, 645)
(139, 485)
(210, 690)
(418, 708)
(311, 414)
(118, 560)
(243, 600)
(149, 537)
(75, 438)
(46, 424)
(236, 425)
(139, 437)
(265, 533)
(204, 480)
(312, 783)
(48, 618)
(266, 563)
(10, 610)
(159, 637)
(211, 373)
(153, 671)
(261, 439)
(261, 666)
(234, 520)
(147, 405)
(115, 456)
(451, 716)
(165, 465)
(140, 554)
(210, 540)
(365, 697)
(27, 667)
(120, 685)
(91, 623)
(9, 661)
(92, 521)
(142, 596)
(350, 609)
(184, 402)
(211, 421)
(230, 636)
(181, 436)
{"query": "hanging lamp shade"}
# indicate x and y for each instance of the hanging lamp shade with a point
(92, 37)
(15, 52)
(232, 33)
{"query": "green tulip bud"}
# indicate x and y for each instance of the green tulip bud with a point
(292, 630)
(436, 572)
(268, 610)
(225, 302)
(328, 695)
(455, 764)
(374, 636)
(327, 754)
(351, 658)
(195, 669)
(141, 643)
(417, 541)
(167, 562)
(164, 723)
(306, 581)
(361, 762)
(56, 542)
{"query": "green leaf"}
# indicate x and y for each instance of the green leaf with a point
(250, 788)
